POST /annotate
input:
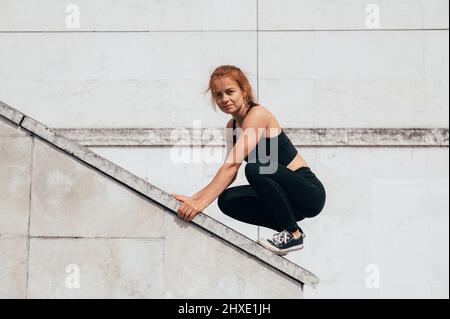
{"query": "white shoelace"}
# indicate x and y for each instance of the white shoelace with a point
(281, 238)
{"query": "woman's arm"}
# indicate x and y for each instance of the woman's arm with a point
(229, 146)
(224, 177)
(247, 141)
(202, 191)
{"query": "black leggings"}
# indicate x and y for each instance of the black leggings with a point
(275, 201)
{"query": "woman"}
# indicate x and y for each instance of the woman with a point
(275, 200)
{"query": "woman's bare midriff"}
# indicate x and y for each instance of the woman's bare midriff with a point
(297, 162)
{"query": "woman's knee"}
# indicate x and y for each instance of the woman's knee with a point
(312, 212)
(251, 170)
(222, 201)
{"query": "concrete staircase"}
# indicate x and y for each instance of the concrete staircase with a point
(75, 225)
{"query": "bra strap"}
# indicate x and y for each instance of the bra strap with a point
(234, 134)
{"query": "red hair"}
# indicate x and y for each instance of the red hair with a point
(235, 74)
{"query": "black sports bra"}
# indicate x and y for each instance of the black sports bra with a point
(286, 150)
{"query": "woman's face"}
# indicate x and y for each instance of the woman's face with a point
(227, 95)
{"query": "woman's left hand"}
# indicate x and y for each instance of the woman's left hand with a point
(189, 207)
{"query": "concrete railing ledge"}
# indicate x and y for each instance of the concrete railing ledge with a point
(163, 198)
(326, 137)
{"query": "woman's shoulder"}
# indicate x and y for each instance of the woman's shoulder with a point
(261, 110)
(268, 119)
(263, 113)
(258, 110)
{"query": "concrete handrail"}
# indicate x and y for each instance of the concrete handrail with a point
(159, 196)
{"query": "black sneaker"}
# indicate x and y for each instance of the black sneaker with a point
(282, 243)
(303, 233)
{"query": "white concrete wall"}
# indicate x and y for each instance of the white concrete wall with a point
(305, 66)
(69, 231)
(314, 63)
(386, 216)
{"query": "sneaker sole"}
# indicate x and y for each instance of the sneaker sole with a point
(291, 249)
(280, 252)
(265, 244)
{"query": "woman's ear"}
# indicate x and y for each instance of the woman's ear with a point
(244, 95)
